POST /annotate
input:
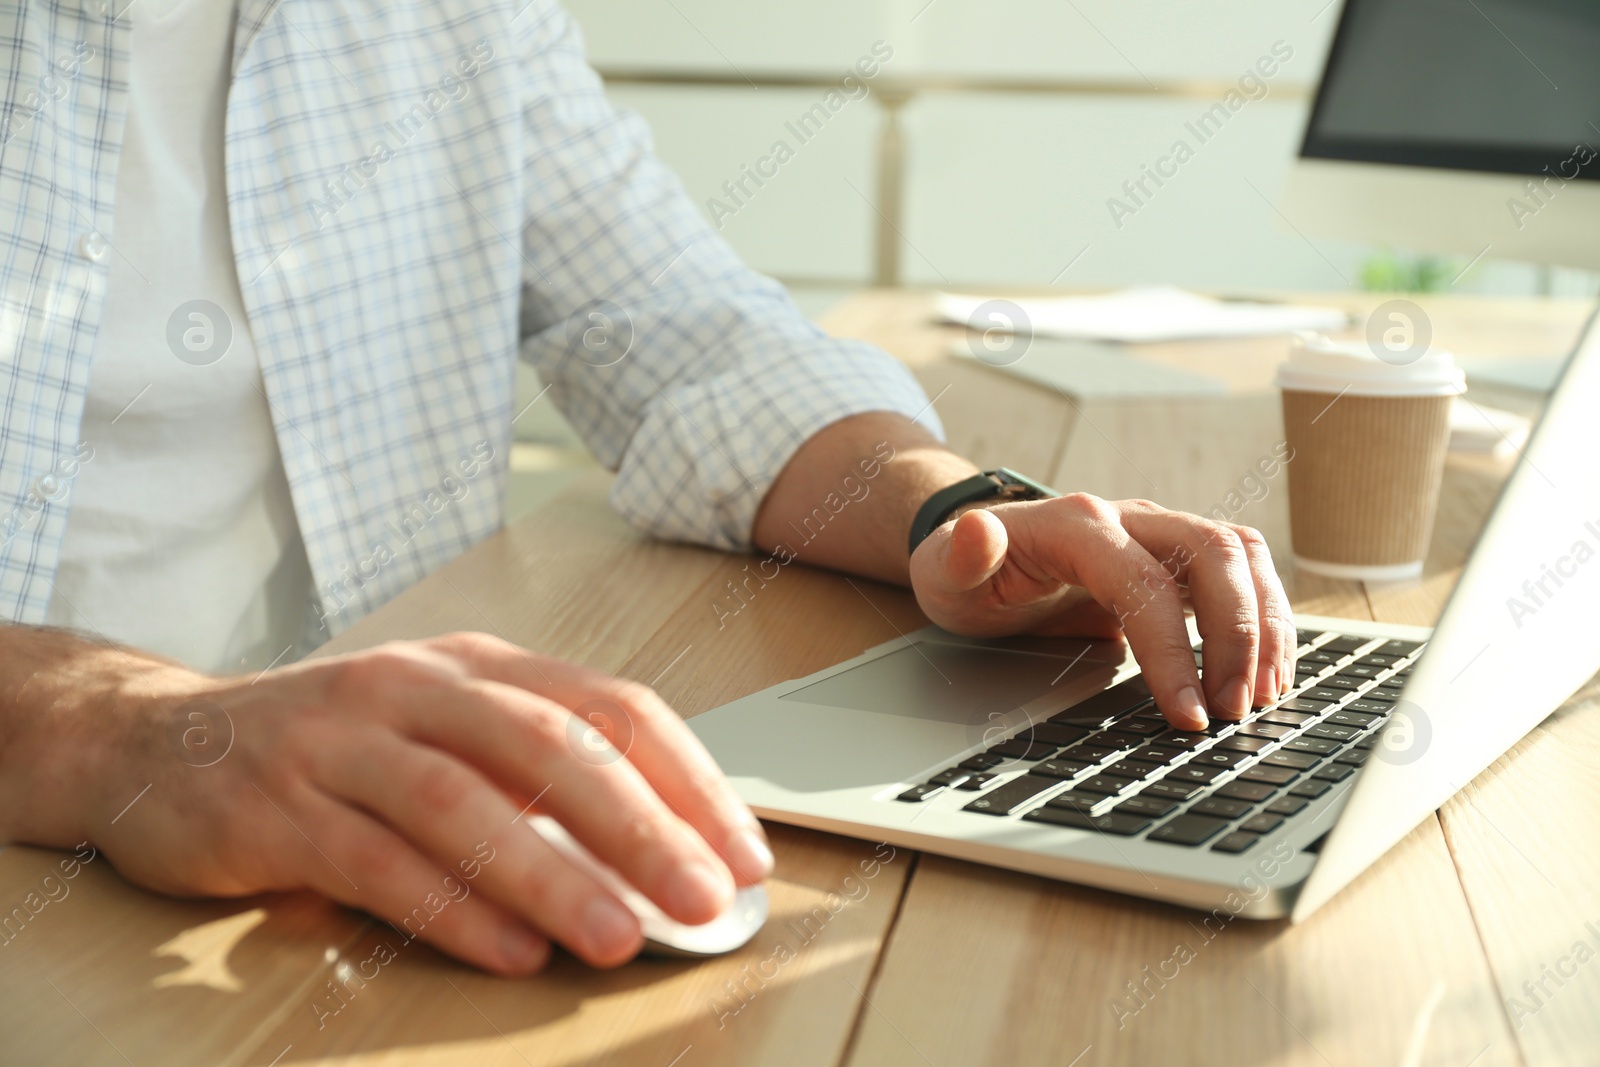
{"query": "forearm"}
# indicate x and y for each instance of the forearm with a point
(61, 699)
(846, 499)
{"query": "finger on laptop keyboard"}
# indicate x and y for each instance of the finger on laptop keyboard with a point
(1210, 559)
(1277, 620)
(1127, 579)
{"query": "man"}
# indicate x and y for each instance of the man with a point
(265, 272)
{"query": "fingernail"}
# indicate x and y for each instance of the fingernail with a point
(1191, 709)
(696, 893)
(1286, 681)
(1272, 689)
(608, 926)
(749, 855)
(1234, 700)
(522, 949)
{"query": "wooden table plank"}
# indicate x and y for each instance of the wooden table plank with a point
(789, 996)
(994, 968)
(107, 974)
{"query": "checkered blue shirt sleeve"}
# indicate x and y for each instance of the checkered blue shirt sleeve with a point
(417, 192)
(693, 376)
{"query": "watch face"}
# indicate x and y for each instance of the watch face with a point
(1011, 477)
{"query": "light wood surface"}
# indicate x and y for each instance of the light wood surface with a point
(927, 960)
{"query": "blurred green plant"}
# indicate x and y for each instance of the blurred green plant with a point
(1387, 272)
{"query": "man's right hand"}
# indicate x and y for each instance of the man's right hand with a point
(391, 780)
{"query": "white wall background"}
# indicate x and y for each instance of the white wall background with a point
(1002, 188)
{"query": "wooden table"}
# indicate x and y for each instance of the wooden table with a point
(930, 961)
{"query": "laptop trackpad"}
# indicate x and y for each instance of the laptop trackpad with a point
(944, 681)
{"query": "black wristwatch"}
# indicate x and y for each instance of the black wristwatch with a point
(1000, 484)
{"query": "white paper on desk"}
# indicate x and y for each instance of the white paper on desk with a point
(1094, 370)
(1143, 314)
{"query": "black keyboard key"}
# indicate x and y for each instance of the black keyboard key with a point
(1398, 648)
(1323, 656)
(1158, 754)
(1374, 659)
(1265, 775)
(1112, 740)
(1324, 694)
(1386, 689)
(1349, 685)
(1310, 707)
(1303, 679)
(1133, 770)
(1017, 748)
(1360, 720)
(1103, 783)
(1310, 746)
(1075, 799)
(919, 793)
(976, 782)
(1295, 761)
(1220, 758)
(1238, 841)
(1007, 798)
(1141, 727)
(981, 762)
(1330, 731)
(1281, 717)
(1355, 757)
(1361, 672)
(1193, 774)
(1221, 807)
(1254, 792)
(1344, 643)
(1107, 705)
(1305, 637)
(1242, 742)
(1188, 830)
(1054, 733)
(1059, 769)
(1370, 741)
(1088, 753)
(1110, 823)
(1268, 730)
(1183, 739)
(1147, 806)
(1335, 772)
(1287, 806)
(950, 777)
(1367, 705)
(1310, 788)
(1264, 823)
(1171, 790)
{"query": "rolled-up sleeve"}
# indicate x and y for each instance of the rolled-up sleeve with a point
(691, 375)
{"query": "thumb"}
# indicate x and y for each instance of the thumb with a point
(960, 555)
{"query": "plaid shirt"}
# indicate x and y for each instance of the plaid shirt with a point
(417, 193)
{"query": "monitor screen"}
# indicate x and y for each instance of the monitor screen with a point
(1510, 86)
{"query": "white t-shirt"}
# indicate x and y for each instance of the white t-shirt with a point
(181, 537)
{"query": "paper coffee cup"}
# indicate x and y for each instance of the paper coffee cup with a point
(1368, 441)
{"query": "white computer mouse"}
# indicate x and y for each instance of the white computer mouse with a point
(664, 936)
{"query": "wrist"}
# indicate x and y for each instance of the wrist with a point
(70, 727)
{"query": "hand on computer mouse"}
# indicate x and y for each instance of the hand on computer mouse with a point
(395, 780)
(1079, 565)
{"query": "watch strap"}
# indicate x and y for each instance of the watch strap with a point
(1002, 482)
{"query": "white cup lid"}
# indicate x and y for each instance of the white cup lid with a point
(1319, 365)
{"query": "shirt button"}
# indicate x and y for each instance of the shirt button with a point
(92, 246)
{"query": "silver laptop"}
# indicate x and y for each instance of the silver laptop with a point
(1048, 756)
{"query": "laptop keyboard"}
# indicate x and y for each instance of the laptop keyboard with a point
(1112, 763)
